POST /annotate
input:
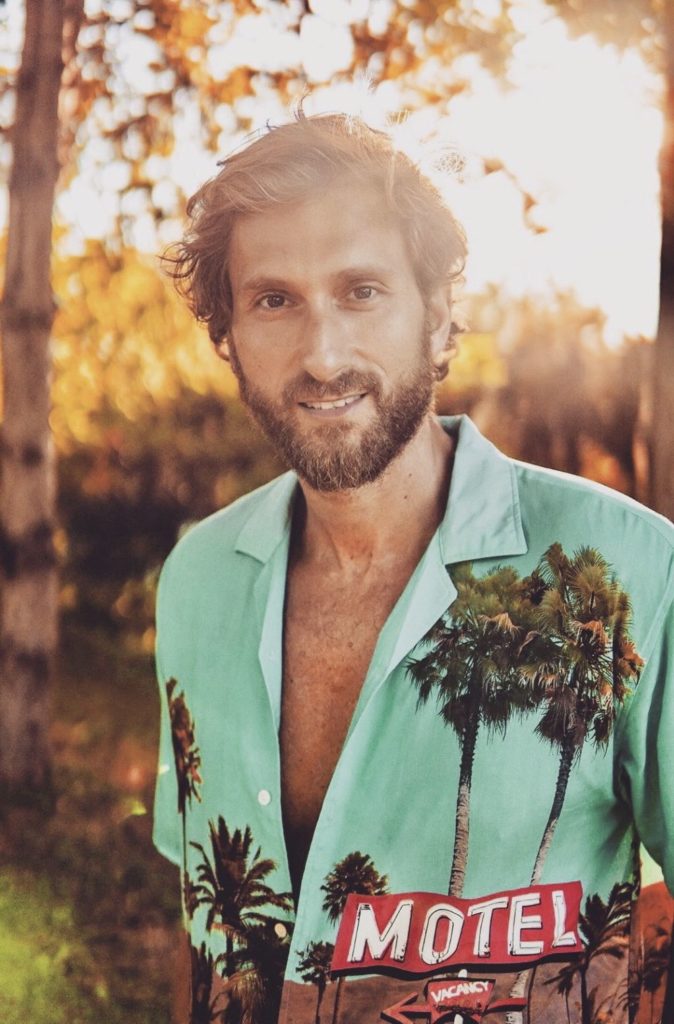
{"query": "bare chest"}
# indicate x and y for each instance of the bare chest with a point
(329, 638)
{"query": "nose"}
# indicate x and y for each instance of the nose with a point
(326, 344)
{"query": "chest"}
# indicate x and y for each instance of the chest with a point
(330, 634)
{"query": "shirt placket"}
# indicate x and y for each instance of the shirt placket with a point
(427, 596)
(269, 594)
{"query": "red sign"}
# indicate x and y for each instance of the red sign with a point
(471, 1002)
(425, 933)
(469, 995)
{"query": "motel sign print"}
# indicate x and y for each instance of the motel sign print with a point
(420, 933)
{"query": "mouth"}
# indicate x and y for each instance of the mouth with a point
(333, 406)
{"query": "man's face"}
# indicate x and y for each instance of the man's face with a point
(331, 340)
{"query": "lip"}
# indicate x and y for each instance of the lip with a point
(333, 411)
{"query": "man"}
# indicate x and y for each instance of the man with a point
(410, 666)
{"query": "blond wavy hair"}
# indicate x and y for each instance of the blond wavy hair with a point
(292, 162)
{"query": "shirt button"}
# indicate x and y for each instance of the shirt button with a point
(281, 930)
(264, 797)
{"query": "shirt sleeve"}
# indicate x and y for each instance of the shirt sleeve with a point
(647, 749)
(167, 827)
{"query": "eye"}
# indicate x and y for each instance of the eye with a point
(364, 291)
(272, 301)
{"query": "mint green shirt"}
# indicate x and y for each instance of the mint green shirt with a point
(521, 695)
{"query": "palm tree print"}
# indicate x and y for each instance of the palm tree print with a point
(203, 1007)
(355, 873)
(190, 895)
(231, 883)
(185, 751)
(471, 668)
(604, 928)
(651, 967)
(256, 982)
(187, 761)
(583, 661)
(314, 968)
(579, 660)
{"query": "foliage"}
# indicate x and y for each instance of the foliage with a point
(314, 968)
(633, 24)
(315, 960)
(41, 950)
(355, 873)
(584, 657)
(555, 641)
(123, 343)
(543, 384)
(143, 72)
(256, 981)
(605, 931)
(472, 668)
(185, 752)
(88, 910)
(231, 882)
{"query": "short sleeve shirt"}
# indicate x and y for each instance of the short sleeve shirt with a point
(477, 849)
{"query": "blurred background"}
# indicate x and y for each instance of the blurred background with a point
(547, 124)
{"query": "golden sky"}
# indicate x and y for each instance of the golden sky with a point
(577, 127)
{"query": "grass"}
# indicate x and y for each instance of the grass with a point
(88, 910)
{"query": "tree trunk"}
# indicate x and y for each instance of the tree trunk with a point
(462, 834)
(28, 608)
(565, 762)
(321, 992)
(663, 377)
(584, 998)
(338, 999)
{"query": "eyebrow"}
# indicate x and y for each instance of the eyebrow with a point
(364, 272)
(264, 283)
(256, 284)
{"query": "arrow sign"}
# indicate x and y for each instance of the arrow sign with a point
(406, 1010)
(446, 1003)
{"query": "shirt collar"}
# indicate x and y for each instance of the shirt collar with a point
(482, 518)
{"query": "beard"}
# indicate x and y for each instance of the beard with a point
(340, 456)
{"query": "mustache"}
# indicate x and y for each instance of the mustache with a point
(306, 388)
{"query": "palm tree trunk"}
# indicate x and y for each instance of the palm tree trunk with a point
(565, 762)
(28, 615)
(461, 836)
(584, 1001)
(321, 992)
(568, 749)
(185, 877)
(338, 999)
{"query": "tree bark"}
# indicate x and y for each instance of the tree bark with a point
(28, 583)
(462, 835)
(566, 760)
(338, 999)
(662, 445)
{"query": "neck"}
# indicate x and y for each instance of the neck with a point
(399, 512)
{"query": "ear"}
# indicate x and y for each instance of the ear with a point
(222, 350)
(439, 321)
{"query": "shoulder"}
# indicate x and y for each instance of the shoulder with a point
(581, 501)
(636, 543)
(232, 532)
